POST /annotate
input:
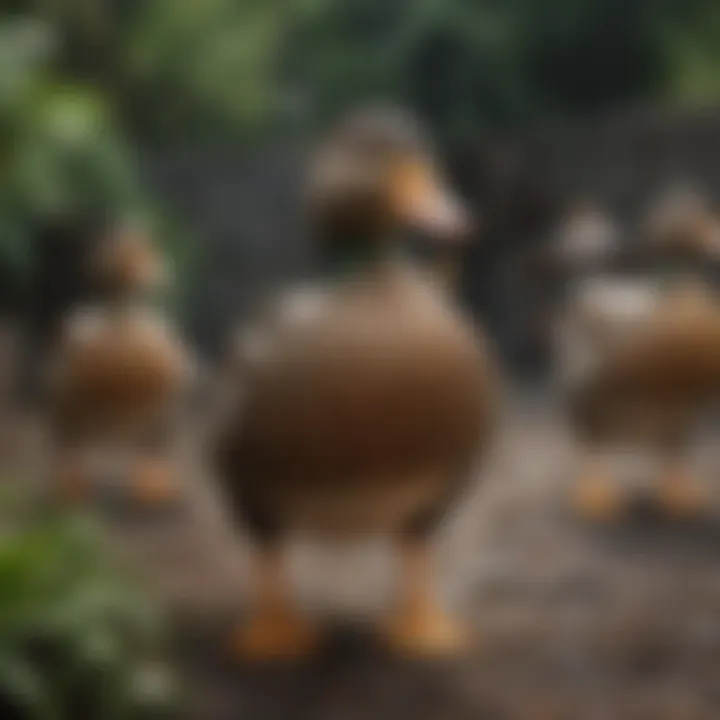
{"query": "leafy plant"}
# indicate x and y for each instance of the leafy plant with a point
(62, 153)
(206, 65)
(73, 633)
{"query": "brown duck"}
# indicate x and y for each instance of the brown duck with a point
(117, 377)
(647, 361)
(367, 399)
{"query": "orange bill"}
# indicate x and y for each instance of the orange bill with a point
(424, 201)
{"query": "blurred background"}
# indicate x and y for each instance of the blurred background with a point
(194, 117)
(195, 114)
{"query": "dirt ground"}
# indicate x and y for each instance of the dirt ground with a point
(572, 622)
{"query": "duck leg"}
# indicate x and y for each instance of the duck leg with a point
(71, 475)
(598, 495)
(153, 481)
(71, 478)
(420, 625)
(275, 629)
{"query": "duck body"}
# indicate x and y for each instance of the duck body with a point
(116, 372)
(366, 411)
(650, 361)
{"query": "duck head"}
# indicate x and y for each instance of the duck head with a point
(683, 237)
(373, 178)
(127, 265)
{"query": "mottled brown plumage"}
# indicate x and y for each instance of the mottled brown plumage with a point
(367, 398)
(669, 368)
(382, 389)
(116, 372)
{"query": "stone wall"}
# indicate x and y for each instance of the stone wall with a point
(626, 159)
(243, 211)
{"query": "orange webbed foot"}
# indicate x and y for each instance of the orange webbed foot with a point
(154, 482)
(73, 481)
(420, 626)
(599, 498)
(279, 633)
(425, 630)
(681, 497)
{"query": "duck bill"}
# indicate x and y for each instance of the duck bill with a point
(428, 205)
(441, 216)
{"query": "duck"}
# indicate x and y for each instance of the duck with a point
(117, 377)
(683, 229)
(643, 363)
(366, 400)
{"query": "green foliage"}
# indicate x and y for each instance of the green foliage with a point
(221, 66)
(68, 157)
(24, 51)
(71, 630)
(204, 66)
(214, 69)
(61, 150)
(693, 51)
(443, 57)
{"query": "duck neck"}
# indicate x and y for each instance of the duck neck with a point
(121, 304)
(347, 258)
